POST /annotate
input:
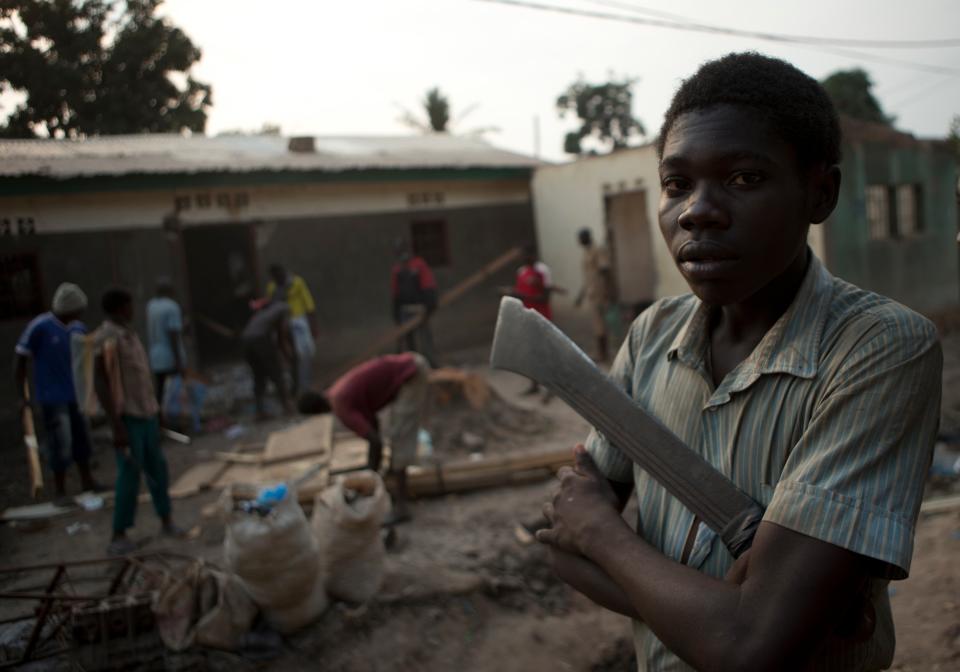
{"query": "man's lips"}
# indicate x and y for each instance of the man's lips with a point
(704, 250)
(705, 260)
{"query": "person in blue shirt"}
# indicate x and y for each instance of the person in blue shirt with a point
(164, 336)
(46, 344)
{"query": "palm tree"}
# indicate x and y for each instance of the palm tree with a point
(436, 115)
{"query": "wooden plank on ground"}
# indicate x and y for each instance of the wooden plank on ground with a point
(198, 478)
(941, 505)
(36, 511)
(315, 434)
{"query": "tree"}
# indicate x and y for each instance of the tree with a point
(437, 107)
(91, 67)
(851, 93)
(605, 112)
(437, 116)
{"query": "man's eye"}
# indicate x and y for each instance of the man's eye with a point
(675, 184)
(746, 179)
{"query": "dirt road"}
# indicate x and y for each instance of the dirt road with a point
(465, 592)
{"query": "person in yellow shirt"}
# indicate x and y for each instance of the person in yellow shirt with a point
(303, 321)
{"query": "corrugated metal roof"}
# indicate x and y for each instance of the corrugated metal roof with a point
(162, 153)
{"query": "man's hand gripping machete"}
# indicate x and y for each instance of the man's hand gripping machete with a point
(526, 343)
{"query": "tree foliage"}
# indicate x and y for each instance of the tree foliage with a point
(90, 67)
(605, 112)
(437, 107)
(436, 113)
(851, 93)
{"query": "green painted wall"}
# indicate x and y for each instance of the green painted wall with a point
(919, 270)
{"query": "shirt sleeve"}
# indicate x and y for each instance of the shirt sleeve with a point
(27, 343)
(307, 298)
(271, 288)
(856, 477)
(612, 462)
(427, 281)
(351, 417)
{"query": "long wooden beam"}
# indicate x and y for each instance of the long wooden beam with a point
(389, 338)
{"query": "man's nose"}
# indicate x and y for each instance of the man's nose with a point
(704, 210)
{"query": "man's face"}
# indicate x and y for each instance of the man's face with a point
(733, 206)
(279, 275)
(126, 312)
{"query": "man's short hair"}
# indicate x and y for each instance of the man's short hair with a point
(313, 403)
(115, 299)
(795, 104)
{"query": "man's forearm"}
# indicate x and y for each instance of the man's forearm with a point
(586, 577)
(695, 615)
(101, 386)
(20, 377)
(713, 624)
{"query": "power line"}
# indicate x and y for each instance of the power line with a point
(707, 28)
(630, 7)
(937, 86)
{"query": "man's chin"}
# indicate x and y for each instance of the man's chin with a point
(716, 293)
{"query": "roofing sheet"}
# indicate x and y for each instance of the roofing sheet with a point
(171, 153)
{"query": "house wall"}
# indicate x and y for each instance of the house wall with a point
(346, 261)
(338, 236)
(147, 208)
(569, 197)
(918, 270)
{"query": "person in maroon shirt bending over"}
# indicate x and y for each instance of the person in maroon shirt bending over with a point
(399, 381)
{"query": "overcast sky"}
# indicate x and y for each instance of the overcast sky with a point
(330, 68)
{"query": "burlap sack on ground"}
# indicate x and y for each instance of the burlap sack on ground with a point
(204, 606)
(346, 519)
(278, 561)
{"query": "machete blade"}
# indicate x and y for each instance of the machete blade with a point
(525, 342)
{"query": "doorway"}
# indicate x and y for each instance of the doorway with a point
(222, 279)
(631, 249)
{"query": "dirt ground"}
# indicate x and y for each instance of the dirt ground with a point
(465, 591)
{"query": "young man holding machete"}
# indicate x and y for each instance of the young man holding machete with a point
(818, 399)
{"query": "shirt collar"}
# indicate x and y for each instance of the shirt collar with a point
(791, 346)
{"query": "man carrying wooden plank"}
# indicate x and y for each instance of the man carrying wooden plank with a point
(400, 381)
(46, 343)
(817, 399)
(413, 290)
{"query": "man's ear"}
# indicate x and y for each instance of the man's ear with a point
(824, 191)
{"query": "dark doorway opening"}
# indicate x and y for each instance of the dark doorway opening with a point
(222, 278)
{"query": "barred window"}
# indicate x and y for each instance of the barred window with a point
(880, 213)
(20, 293)
(909, 209)
(430, 241)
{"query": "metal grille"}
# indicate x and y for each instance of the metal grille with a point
(20, 293)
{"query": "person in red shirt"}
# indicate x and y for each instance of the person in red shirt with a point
(413, 290)
(400, 381)
(533, 286)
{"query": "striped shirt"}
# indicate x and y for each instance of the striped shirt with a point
(829, 424)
